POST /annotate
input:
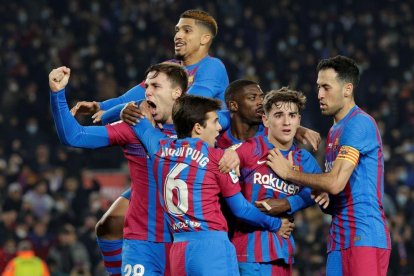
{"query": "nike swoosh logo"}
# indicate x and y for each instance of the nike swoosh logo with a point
(261, 162)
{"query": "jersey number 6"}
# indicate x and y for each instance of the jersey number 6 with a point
(181, 206)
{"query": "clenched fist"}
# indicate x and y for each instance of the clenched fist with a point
(58, 78)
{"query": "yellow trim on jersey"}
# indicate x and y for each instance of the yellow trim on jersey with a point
(348, 153)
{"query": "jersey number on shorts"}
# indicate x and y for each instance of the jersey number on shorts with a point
(180, 187)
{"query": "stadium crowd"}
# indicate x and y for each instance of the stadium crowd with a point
(109, 44)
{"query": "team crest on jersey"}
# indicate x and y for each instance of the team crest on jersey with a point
(190, 80)
(234, 176)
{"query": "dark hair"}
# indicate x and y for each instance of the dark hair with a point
(175, 73)
(284, 95)
(203, 18)
(345, 67)
(234, 87)
(189, 110)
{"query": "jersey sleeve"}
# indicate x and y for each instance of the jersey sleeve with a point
(245, 211)
(360, 133)
(114, 114)
(224, 119)
(148, 135)
(303, 199)
(209, 78)
(70, 132)
(136, 93)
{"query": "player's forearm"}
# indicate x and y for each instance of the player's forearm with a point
(112, 115)
(69, 131)
(300, 201)
(245, 211)
(134, 94)
(324, 181)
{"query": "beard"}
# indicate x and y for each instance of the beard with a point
(179, 56)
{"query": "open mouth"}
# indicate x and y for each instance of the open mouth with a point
(178, 45)
(152, 106)
(259, 111)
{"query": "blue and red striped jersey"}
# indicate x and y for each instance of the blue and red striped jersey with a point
(358, 217)
(226, 139)
(207, 78)
(145, 218)
(258, 182)
(192, 184)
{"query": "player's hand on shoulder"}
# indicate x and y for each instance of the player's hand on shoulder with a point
(59, 78)
(85, 108)
(308, 136)
(286, 227)
(132, 113)
(230, 161)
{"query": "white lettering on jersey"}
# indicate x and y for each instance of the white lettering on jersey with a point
(270, 181)
(186, 152)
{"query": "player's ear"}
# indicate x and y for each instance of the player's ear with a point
(233, 106)
(348, 89)
(177, 93)
(265, 120)
(197, 129)
(205, 39)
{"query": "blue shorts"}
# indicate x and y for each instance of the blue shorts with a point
(127, 194)
(145, 258)
(203, 253)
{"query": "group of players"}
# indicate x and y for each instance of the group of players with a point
(172, 222)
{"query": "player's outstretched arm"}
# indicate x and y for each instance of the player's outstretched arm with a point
(69, 131)
(245, 211)
(134, 94)
(332, 182)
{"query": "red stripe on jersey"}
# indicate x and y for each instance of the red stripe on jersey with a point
(240, 240)
(258, 246)
(290, 250)
(272, 248)
(113, 264)
(112, 253)
(192, 175)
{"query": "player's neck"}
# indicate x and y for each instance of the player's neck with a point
(194, 58)
(344, 111)
(278, 144)
(242, 130)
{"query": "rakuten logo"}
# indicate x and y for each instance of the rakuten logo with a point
(270, 181)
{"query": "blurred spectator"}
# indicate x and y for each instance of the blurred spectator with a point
(40, 238)
(26, 263)
(7, 252)
(13, 200)
(68, 253)
(40, 201)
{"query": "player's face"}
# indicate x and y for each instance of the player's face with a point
(282, 122)
(250, 104)
(187, 39)
(211, 130)
(160, 95)
(330, 92)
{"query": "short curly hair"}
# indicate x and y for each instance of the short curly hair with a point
(284, 95)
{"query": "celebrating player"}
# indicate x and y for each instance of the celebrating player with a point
(359, 240)
(147, 238)
(187, 170)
